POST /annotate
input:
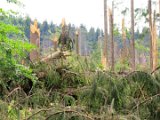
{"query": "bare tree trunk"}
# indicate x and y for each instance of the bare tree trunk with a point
(35, 39)
(154, 44)
(77, 43)
(151, 27)
(159, 6)
(63, 34)
(124, 50)
(132, 37)
(55, 43)
(159, 14)
(111, 39)
(105, 54)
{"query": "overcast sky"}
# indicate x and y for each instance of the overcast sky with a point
(87, 12)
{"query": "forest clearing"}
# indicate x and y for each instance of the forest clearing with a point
(69, 72)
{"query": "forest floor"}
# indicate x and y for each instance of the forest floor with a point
(72, 89)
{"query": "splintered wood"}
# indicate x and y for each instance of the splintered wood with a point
(77, 42)
(35, 40)
(63, 34)
(55, 43)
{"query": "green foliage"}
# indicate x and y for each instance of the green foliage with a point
(116, 31)
(121, 67)
(12, 1)
(128, 34)
(94, 98)
(74, 90)
(13, 51)
(95, 59)
(140, 47)
(69, 100)
(3, 110)
(124, 12)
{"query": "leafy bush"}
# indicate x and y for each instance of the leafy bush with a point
(13, 51)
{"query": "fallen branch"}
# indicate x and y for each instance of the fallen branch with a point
(155, 70)
(150, 98)
(14, 90)
(61, 110)
(70, 72)
(42, 110)
(70, 111)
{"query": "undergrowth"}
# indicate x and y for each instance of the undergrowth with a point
(77, 92)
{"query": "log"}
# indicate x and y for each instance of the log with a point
(55, 55)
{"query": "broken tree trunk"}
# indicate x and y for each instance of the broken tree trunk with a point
(132, 37)
(55, 43)
(77, 42)
(151, 29)
(55, 55)
(35, 40)
(154, 45)
(63, 34)
(105, 53)
(111, 39)
(124, 50)
(153, 38)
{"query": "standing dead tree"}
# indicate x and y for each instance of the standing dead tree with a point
(65, 42)
(132, 37)
(55, 42)
(153, 38)
(154, 44)
(150, 26)
(77, 42)
(105, 53)
(124, 49)
(111, 39)
(35, 40)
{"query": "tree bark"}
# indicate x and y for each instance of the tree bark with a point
(123, 41)
(154, 44)
(111, 39)
(55, 43)
(105, 53)
(77, 43)
(35, 40)
(151, 29)
(159, 15)
(132, 37)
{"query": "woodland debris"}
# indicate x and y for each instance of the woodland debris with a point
(55, 55)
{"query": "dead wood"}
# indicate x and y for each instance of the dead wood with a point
(55, 55)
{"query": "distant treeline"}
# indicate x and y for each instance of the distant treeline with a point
(48, 29)
(89, 37)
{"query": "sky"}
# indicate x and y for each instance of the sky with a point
(87, 12)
